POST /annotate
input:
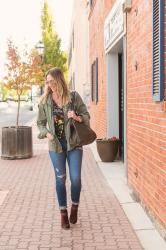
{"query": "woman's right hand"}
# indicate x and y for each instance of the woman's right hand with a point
(49, 136)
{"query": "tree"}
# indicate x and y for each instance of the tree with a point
(21, 74)
(36, 73)
(52, 52)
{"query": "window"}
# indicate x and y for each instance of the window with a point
(158, 50)
(94, 81)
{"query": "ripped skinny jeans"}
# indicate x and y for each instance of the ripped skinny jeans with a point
(74, 159)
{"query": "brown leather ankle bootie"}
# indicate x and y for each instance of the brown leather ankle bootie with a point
(64, 219)
(73, 213)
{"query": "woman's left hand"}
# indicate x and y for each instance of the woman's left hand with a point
(72, 114)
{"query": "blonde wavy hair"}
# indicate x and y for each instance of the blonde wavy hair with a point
(62, 87)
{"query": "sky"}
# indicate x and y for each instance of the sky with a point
(20, 20)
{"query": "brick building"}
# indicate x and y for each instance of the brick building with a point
(126, 49)
(79, 70)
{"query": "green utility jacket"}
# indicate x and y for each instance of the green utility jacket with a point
(45, 121)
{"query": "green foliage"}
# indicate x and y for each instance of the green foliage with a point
(52, 52)
(3, 92)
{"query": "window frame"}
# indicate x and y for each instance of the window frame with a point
(94, 81)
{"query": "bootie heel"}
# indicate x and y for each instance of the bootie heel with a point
(64, 219)
(73, 214)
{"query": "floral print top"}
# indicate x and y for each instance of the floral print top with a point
(58, 115)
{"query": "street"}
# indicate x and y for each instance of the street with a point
(8, 112)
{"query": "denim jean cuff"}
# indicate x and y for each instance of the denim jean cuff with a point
(63, 207)
(75, 203)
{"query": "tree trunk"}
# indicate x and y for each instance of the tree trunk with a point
(18, 111)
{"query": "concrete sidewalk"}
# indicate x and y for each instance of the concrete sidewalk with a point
(115, 173)
(29, 214)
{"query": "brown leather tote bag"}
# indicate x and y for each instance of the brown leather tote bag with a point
(81, 133)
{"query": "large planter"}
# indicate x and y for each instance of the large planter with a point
(16, 142)
(107, 149)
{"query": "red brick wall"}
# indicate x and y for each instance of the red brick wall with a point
(96, 47)
(165, 48)
(146, 121)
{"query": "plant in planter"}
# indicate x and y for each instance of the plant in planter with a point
(17, 140)
(108, 148)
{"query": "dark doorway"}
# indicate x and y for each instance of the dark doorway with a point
(121, 106)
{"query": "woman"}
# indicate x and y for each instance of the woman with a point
(54, 120)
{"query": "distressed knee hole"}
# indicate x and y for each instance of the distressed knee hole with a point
(61, 176)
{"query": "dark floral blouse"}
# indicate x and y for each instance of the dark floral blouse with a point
(58, 121)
